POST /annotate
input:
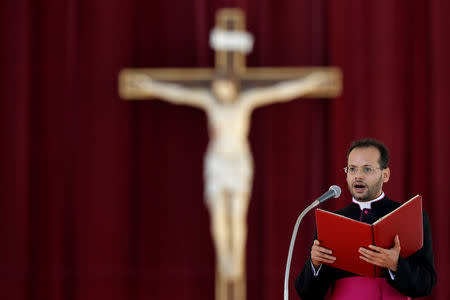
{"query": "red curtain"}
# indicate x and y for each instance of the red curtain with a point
(103, 199)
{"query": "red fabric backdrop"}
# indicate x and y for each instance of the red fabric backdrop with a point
(103, 199)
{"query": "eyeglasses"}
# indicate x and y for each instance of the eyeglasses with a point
(365, 170)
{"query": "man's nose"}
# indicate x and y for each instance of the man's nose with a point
(359, 173)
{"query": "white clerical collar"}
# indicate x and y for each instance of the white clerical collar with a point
(367, 204)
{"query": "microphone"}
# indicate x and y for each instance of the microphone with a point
(333, 192)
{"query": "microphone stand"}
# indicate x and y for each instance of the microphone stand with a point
(291, 247)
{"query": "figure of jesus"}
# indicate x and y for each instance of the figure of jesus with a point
(228, 163)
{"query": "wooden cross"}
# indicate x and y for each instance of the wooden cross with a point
(231, 44)
(229, 123)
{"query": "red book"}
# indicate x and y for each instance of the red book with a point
(344, 236)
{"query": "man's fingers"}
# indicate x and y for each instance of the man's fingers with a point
(323, 250)
(374, 248)
(397, 242)
(323, 259)
(321, 254)
(328, 258)
(386, 258)
(372, 261)
(318, 248)
(369, 253)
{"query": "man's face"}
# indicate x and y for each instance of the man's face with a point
(366, 186)
(225, 90)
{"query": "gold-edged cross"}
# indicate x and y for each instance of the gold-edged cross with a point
(231, 43)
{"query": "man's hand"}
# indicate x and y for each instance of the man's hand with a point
(321, 255)
(385, 258)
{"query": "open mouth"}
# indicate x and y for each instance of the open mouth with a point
(359, 187)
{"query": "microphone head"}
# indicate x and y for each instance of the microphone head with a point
(336, 189)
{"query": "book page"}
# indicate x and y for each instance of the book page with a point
(344, 236)
(395, 210)
(407, 222)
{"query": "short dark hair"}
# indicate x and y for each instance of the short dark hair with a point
(369, 142)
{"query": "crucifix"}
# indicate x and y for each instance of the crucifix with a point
(228, 94)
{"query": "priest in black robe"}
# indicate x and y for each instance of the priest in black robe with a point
(403, 278)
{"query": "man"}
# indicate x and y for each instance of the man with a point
(367, 170)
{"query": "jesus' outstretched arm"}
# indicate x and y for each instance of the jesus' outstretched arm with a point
(287, 90)
(141, 86)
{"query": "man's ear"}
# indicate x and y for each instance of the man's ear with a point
(386, 174)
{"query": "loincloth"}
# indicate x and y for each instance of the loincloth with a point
(231, 174)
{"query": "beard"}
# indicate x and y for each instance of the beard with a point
(370, 191)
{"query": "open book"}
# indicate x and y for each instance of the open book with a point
(344, 236)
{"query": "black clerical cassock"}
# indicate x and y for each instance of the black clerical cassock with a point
(415, 275)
